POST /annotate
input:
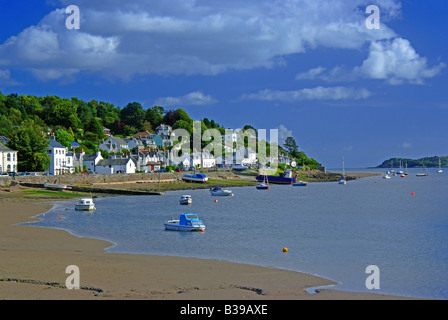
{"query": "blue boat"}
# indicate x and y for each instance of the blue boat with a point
(285, 178)
(196, 177)
(186, 222)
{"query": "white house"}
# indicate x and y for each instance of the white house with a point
(8, 159)
(58, 158)
(115, 165)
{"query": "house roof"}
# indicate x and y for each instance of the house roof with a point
(90, 157)
(4, 148)
(55, 144)
(111, 162)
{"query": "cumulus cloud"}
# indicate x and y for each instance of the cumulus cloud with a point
(121, 39)
(392, 60)
(396, 61)
(283, 133)
(196, 98)
(317, 93)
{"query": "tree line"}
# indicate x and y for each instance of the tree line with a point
(27, 120)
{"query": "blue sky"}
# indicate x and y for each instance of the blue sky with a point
(310, 68)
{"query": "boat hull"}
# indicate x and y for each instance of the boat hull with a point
(275, 179)
(299, 184)
(194, 179)
(81, 207)
(174, 225)
(53, 186)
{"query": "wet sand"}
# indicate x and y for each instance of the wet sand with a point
(34, 259)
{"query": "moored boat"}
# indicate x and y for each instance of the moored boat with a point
(55, 186)
(85, 204)
(185, 199)
(264, 185)
(196, 177)
(218, 191)
(186, 222)
(285, 178)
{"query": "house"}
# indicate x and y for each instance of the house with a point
(150, 160)
(8, 159)
(91, 160)
(163, 134)
(58, 158)
(114, 145)
(115, 165)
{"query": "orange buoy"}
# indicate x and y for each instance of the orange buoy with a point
(269, 188)
(285, 249)
(216, 200)
(412, 193)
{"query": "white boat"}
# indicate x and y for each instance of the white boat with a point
(196, 177)
(342, 180)
(440, 167)
(423, 174)
(55, 186)
(218, 191)
(386, 176)
(85, 204)
(186, 222)
(299, 183)
(185, 199)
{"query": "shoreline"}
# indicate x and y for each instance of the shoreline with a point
(34, 260)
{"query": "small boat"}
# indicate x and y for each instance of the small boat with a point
(299, 183)
(239, 167)
(186, 222)
(218, 191)
(196, 177)
(55, 186)
(386, 176)
(423, 174)
(440, 168)
(185, 199)
(264, 185)
(85, 204)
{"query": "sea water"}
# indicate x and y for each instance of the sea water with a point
(336, 231)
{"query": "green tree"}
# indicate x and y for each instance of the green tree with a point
(154, 116)
(64, 138)
(133, 115)
(291, 146)
(31, 145)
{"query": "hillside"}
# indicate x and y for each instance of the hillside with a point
(26, 121)
(415, 163)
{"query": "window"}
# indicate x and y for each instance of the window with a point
(8, 157)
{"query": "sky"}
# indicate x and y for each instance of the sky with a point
(341, 82)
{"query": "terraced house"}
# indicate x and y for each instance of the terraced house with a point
(8, 159)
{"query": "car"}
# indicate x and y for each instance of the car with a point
(23, 174)
(4, 174)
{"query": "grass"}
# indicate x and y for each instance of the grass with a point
(52, 194)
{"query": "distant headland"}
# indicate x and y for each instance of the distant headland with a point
(415, 163)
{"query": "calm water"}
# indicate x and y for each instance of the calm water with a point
(330, 230)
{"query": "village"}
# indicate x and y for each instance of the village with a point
(143, 152)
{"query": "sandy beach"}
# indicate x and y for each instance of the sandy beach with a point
(33, 263)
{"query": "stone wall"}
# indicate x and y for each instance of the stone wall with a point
(97, 179)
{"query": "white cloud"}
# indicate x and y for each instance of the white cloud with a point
(5, 78)
(196, 98)
(317, 93)
(394, 61)
(283, 133)
(122, 39)
(405, 145)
